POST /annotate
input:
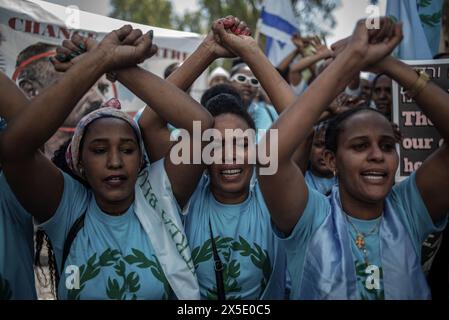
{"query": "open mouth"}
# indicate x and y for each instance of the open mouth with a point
(374, 176)
(115, 180)
(230, 173)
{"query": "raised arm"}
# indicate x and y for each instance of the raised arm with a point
(37, 183)
(176, 107)
(322, 52)
(278, 90)
(299, 44)
(12, 99)
(285, 192)
(152, 124)
(170, 103)
(432, 177)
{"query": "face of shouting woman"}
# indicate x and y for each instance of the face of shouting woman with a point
(230, 181)
(365, 161)
(110, 161)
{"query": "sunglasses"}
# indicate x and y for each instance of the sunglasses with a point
(243, 79)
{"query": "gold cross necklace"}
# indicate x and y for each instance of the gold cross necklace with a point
(360, 237)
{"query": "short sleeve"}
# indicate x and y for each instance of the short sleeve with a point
(10, 203)
(316, 211)
(408, 202)
(74, 202)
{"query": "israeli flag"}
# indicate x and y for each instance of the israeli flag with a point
(421, 26)
(278, 23)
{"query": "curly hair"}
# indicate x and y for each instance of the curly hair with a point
(225, 103)
(41, 238)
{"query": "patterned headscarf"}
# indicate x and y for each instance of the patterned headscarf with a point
(110, 109)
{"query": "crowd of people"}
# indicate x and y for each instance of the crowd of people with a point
(123, 220)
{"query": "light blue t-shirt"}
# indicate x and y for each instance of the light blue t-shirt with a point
(113, 254)
(406, 203)
(263, 115)
(322, 185)
(244, 239)
(16, 247)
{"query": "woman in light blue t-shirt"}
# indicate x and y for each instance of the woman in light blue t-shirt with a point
(16, 226)
(364, 241)
(120, 238)
(227, 205)
(228, 210)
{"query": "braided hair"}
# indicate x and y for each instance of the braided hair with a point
(42, 238)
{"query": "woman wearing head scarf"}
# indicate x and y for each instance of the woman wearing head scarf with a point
(120, 238)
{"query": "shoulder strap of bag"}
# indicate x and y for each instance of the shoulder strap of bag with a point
(76, 227)
(218, 267)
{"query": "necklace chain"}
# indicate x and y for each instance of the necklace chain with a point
(360, 237)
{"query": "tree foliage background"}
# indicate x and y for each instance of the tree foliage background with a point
(156, 13)
(314, 16)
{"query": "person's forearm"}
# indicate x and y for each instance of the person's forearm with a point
(172, 104)
(306, 62)
(279, 92)
(156, 135)
(45, 113)
(185, 75)
(192, 68)
(13, 99)
(283, 66)
(151, 123)
(432, 99)
(295, 123)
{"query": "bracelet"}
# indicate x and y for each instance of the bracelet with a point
(419, 85)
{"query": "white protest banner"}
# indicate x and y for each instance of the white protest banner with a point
(27, 23)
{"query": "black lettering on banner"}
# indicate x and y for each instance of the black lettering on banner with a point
(420, 138)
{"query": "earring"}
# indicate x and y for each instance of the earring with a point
(334, 172)
(81, 169)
